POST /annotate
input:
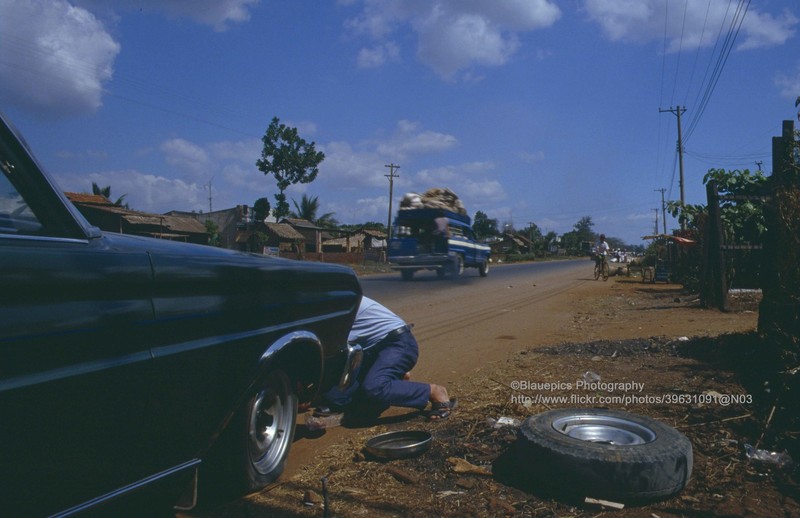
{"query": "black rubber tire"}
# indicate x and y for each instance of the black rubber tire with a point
(407, 275)
(596, 271)
(483, 269)
(456, 267)
(658, 468)
(606, 271)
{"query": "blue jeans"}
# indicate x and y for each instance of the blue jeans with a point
(380, 377)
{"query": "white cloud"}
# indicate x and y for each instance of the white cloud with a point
(698, 26)
(187, 157)
(453, 35)
(409, 140)
(143, 191)
(378, 55)
(57, 56)
(789, 85)
(218, 14)
(54, 57)
(764, 30)
(472, 182)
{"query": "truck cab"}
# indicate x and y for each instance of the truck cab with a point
(435, 239)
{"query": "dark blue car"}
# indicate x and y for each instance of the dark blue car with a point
(128, 362)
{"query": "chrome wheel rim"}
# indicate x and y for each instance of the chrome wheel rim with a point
(604, 430)
(269, 430)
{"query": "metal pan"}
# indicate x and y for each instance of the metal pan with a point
(399, 445)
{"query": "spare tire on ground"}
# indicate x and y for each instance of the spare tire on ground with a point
(606, 454)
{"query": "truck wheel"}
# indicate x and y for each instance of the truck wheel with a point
(483, 269)
(457, 266)
(603, 453)
(407, 275)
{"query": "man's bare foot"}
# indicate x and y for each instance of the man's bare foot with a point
(439, 394)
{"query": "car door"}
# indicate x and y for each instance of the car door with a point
(74, 360)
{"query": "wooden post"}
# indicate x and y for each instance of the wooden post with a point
(719, 285)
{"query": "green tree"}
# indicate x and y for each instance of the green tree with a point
(261, 209)
(581, 233)
(483, 226)
(308, 208)
(105, 192)
(742, 223)
(213, 233)
(369, 225)
(289, 159)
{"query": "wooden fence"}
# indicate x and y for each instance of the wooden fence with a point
(713, 277)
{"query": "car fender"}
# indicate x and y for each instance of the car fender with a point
(301, 355)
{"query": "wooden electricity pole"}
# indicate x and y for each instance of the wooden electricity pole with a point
(663, 210)
(678, 111)
(391, 176)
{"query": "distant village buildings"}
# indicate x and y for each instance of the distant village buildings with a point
(236, 229)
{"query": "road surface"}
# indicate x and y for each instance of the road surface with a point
(463, 324)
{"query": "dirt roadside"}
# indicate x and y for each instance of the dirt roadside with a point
(622, 330)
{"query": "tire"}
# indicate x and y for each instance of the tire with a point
(606, 271)
(483, 268)
(607, 454)
(258, 444)
(596, 271)
(407, 275)
(456, 267)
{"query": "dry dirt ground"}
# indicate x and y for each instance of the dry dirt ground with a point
(655, 334)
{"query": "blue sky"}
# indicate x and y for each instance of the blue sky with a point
(530, 110)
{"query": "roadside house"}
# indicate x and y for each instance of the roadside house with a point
(100, 212)
(312, 234)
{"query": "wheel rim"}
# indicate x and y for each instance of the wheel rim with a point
(604, 430)
(270, 427)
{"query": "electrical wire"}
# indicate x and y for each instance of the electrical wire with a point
(730, 38)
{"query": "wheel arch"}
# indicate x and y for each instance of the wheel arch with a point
(300, 355)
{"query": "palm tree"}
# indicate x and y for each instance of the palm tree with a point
(308, 208)
(105, 192)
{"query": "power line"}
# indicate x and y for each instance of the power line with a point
(722, 59)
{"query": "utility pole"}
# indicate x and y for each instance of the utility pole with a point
(656, 211)
(209, 195)
(391, 176)
(663, 210)
(678, 111)
(530, 236)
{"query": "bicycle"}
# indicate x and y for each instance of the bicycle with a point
(601, 268)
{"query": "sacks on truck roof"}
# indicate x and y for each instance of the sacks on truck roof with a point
(435, 198)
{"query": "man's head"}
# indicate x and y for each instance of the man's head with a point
(602, 237)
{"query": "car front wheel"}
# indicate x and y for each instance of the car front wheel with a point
(270, 417)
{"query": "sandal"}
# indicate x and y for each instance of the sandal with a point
(441, 410)
(325, 411)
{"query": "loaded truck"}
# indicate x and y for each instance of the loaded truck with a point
(433, 232)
